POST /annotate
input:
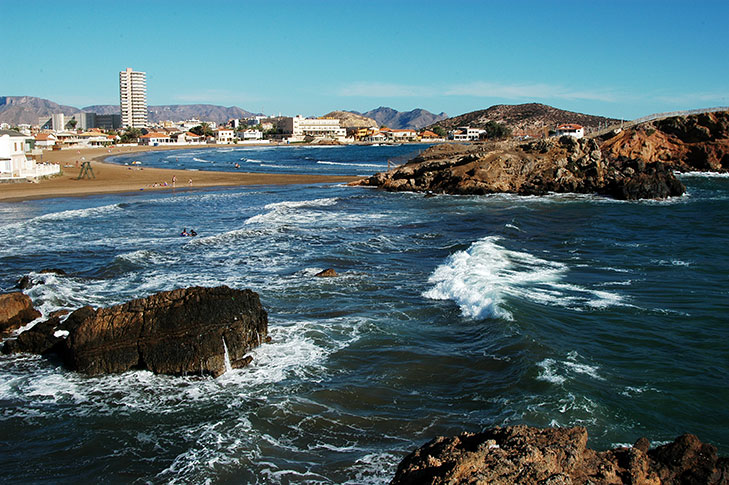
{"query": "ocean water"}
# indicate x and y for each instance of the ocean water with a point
(449, 314)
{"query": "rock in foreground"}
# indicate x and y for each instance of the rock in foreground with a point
(519, 454)
(186, 331)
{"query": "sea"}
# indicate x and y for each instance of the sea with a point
(449, 314)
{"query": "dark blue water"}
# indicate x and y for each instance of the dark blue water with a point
(331, 160)
(450, 314)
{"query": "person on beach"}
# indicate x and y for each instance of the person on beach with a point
(189, 182)
(174, 180)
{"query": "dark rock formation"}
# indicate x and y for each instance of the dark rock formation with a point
(535, 168)
(327, 273)
(185, 331)
(16, 309)
(519, 454)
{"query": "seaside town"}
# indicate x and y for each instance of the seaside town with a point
(22, 146)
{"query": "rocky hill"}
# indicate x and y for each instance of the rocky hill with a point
(415, 119)
(15, 110)
(27, 109)
(695, 142)
(530, 119)
(348, 119)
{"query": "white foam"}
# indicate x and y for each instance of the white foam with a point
(202, 160)
(549, 372)
(480, 278)
(367, 165)
(703, 174)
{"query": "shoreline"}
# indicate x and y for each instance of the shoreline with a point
(113, 178)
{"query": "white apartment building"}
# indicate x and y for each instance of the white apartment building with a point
(299, 127)
(224, 136)
(133, 98)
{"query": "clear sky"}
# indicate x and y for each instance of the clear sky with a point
(623, 59)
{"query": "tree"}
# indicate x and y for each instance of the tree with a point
(495, 131)
(202, 130)
(130, 136)
(440, 131)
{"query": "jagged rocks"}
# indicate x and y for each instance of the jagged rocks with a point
(535, 168)
(519, 454)
(327, 273)
(186, 331)
(16, 309)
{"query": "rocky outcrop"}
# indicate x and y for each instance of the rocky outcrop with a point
(186, 331)
(327, 273)
(16, 309)
(535, 168)
(697, 142)
(519, 454)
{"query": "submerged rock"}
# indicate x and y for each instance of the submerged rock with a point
(186, 331)
(520, 454)
(16, 309)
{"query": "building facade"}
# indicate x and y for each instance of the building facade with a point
(299, 128)
(133, 98)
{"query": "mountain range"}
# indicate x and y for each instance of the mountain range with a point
(28, 109)
(415, 119)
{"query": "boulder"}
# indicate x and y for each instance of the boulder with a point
(520, 454)
(186, 331)
(16, 309)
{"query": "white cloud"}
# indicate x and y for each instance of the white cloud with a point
(386, 90)
(477, 89)
(527, 91)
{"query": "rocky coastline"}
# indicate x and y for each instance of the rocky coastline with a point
(637, 163)
(189, 331)
(520, 454)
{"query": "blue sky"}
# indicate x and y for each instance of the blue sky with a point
(621, 59)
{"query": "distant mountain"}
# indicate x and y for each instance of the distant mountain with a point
(415, 119)
(15, 110)
(180, 112)
(28, 109)
(348, 119)
(530, 118)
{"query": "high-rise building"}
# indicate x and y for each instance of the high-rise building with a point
(133, 98)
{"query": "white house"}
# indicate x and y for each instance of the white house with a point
(400, 135)
(465, 133)
(571, 129)
(299, 128)
(250, 135)
(13, 162)
(224, 136)
(45, 140)
(155, 139)
(375, 137)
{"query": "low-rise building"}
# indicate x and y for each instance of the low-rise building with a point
(249, 135)
(13, 162)
(399, 135)
(224, 136)
(571, 129)
(45, 140)
(465, 133)
(155, 139)
(298, 128)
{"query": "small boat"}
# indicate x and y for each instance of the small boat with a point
(136, 162)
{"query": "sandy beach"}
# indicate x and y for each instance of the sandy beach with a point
(113, 178)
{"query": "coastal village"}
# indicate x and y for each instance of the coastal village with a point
(22, 145)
